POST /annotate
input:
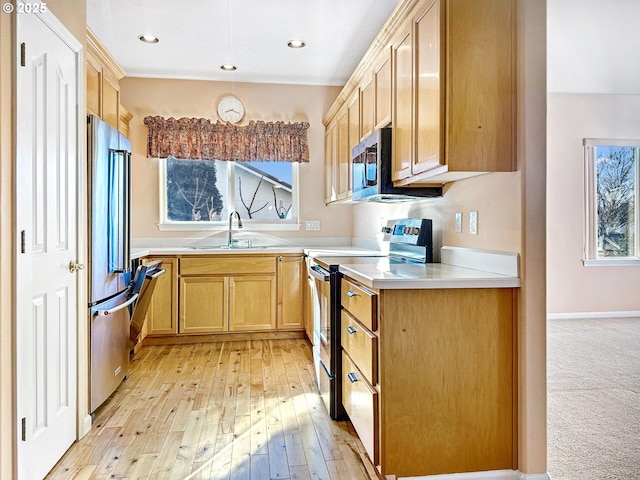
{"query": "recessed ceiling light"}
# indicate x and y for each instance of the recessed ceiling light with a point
(148, 38)
(227, 67)
(296, 44)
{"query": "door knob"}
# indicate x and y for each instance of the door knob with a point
(74, 267)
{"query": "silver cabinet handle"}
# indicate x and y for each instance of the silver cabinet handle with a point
(351, 293)
(351, 330)
(74, 267)
(133, 298)
(352, 377)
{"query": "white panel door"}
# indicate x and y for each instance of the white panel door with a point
(46, 193)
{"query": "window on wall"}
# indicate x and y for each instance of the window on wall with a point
(201, 194)
(613, 177)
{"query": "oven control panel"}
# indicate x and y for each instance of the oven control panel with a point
(408, 231)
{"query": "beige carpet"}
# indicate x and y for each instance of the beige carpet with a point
(594, 399)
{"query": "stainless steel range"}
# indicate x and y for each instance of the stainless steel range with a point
(410, 241)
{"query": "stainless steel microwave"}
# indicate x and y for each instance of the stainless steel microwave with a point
(371, 172)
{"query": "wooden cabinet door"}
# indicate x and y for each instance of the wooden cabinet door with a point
(481, 85)
(368, 96)
(252, 303)
(308, 308)
(163, 310)
(355, 125)
(203, 304)
(402, 52)
(343, 163)
(291, 283)
(382, 80)
(110, 101)
(330, 163)
(93, 72)
(429, 90)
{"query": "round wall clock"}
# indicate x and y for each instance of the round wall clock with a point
(230, 109)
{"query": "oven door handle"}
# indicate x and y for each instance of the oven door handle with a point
(319, 273)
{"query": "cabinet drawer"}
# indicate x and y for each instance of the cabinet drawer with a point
(360, 401)
(361, 345)
(360, 303)
(220, 265)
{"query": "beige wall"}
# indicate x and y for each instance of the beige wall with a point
(498, 213)
(73, 14)
(572, 287)
(191, 98)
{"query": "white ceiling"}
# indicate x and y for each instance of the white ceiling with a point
(197, 36)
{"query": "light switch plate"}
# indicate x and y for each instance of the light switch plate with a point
(458, 222)
(313, 225)
(473, 222)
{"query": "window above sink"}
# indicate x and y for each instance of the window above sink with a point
(200, 194)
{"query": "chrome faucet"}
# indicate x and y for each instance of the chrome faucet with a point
(230, 240)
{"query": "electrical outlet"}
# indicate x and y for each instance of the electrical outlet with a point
(313, 225)
(473, 222)
(458, 222)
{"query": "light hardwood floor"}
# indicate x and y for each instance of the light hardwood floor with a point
(229, 410)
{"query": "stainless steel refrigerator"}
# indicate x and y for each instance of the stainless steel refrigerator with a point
(110, 293)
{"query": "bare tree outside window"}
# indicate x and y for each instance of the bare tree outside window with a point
(207, 191)
(615, 196)
(192, 193)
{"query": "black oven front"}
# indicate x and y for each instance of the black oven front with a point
(327, 294)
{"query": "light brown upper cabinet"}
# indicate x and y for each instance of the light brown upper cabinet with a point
(403, 103)
(344, 155)
(376, 95)
(340, 137)
(355, 132)
(367, 94)
(331, 162)
(103, 76)
(442, 72)
(382, 80)
(463, 91)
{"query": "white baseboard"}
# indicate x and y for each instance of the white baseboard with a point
(579, 315)
(535, 476)
(86, 426)
(490, 475)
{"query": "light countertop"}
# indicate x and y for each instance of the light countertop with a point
(216, 250)
(380, 274)
(463, 268)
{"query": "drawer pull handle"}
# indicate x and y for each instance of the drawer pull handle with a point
(351, 330)
(351, 293)
(352, 377)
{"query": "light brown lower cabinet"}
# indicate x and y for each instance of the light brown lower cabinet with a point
(252, 304)
(292, 278)
(441, 398)
(204, 304)
(209, 294)
(162, 317)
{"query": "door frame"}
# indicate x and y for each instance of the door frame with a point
(83, 419)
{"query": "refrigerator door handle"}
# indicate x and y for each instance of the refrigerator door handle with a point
(132, 299)
(122, 237)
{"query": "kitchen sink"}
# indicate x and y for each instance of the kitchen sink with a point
(227, 247)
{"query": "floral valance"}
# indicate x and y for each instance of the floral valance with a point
(199, 138)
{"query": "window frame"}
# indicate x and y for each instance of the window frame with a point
(222, 225)
(590, 254)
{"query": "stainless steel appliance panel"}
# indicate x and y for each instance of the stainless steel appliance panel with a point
(109, 171)
(371, 172)
(109, 346)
